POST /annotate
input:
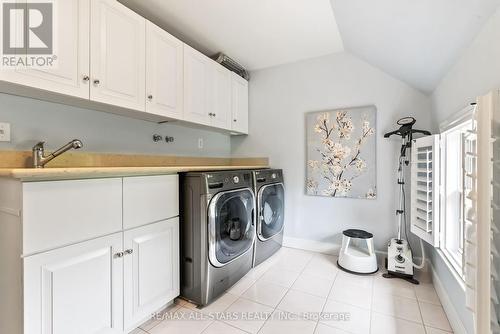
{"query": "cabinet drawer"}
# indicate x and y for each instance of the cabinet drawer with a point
(149, 199)
(58, 213)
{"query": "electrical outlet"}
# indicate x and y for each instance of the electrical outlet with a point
(200, 143)
(4, 132)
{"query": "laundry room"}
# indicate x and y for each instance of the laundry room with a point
(236, 166)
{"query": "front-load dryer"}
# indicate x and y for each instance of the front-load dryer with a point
(217, 231)
(270, 194)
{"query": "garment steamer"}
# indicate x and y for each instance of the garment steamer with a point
(399, 260)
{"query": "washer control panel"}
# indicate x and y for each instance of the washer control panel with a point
(268, 176)
(229, 179)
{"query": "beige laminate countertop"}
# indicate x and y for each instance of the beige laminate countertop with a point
(45, 174)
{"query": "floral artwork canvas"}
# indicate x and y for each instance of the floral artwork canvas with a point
(341, 153)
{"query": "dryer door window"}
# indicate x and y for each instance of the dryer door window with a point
(232, 225)
(271, 214)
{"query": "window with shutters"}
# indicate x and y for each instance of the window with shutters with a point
(443, 190)
(457, 170)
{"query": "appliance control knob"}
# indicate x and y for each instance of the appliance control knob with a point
(273, 175)
(236, 179)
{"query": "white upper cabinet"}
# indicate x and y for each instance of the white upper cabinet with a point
(239, 109)
(70, 73)
(196, 86)
(207, 90)
(164, 73)
(118, 51)
(220, 96)
(107, 53)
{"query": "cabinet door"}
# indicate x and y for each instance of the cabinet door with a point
(118, 52)
(220, 96)
(71, 46)
(239, 96)
(76, 289)
(196, 86)
(151, 269)
(164, 73)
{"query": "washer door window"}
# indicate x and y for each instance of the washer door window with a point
(231, 225)
(271, 206)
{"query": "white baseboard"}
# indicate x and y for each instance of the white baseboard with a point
(453, 317)
(312, 245)
(329, 248)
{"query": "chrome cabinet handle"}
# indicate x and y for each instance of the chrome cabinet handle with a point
(119, 254)
(97, 81)
(150, 97)
(129, 251)
(86, 78)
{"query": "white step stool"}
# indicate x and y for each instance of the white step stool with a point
(353, 257)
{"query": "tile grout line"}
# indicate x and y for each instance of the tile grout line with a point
(371, 306)
(329, 291)
(288, 290)
(419, 309)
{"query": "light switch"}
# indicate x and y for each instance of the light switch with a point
(5, 132)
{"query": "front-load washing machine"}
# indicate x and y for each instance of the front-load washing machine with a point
(270, 195)
(217, 231)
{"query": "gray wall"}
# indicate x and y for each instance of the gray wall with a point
(475, 73)
(279, 99)
(33, 120)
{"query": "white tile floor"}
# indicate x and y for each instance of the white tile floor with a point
(295, 282)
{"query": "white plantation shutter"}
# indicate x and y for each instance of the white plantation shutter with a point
(425, 189)
(469, 215)
(487, 280)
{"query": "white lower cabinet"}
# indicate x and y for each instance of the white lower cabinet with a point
(109, 284)
(76, 289)
(151, 269)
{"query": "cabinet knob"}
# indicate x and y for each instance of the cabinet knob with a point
(210, 114)
(235, 120)
(119, 254)
(214, 114)
(150, 97)
(97, 81)
(129, 251)
(86, 78)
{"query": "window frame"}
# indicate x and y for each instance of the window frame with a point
(460, 120)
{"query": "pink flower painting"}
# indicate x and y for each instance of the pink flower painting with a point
(341, 153)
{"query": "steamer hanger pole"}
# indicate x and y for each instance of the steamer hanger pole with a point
(399, 254)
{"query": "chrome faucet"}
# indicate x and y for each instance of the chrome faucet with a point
(39, 158)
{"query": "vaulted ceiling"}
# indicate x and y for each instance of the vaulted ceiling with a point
(415, 41)
(257, 34)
